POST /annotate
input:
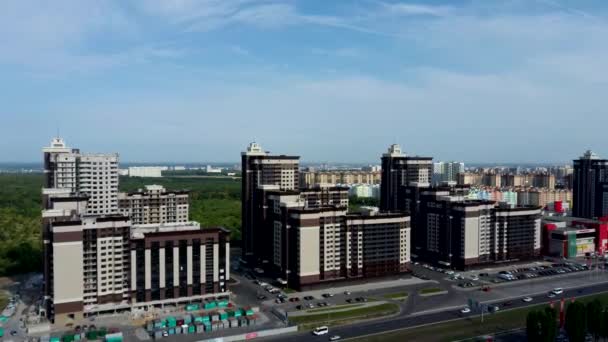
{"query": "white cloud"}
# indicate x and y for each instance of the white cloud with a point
(410, 9)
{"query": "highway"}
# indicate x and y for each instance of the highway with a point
(404, 321)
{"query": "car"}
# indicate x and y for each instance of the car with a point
(509, 303)
(299, 307)
(320, 331)
(327, 295)
(475, 278)
(551, 295)
(165, 334)
(494, 308)
(527, 299)
(347, 293)
(335, 338)
(294, 299)
(280, 301)
(263, 284)
(14, 333)
(310, 306)
(465, 310)
(282, 281)
(309, 298)
(349, 300)
(258, 270)
(557, 291)
(483, 274)
(262, 297)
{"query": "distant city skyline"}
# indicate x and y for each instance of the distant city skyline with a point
(465, 80)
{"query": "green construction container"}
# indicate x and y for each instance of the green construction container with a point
(223, 315)
(55, 339)
(249, 312)
(67, 338)
(77, 337)
(222, 304)
(187, 319)
(3, 319)
(171, 322)
(238, 313)
(210, 305)
(192, 307)
(206, 319)
(199, 319)
(1, 332)
(191, 329)
(91, 335)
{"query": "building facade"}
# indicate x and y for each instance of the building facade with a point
(319, 245)
(261, 172)
(339, 177)
(590, 188)
(462, 233)
(154, 205)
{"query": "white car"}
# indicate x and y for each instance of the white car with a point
(474, 278)
(551, 295)
(320, 331)
(557, 291)
(335, 338)
(165, 334)
(258, 270)
(465, 310)
(527, 299)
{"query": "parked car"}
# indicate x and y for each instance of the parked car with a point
(527, 299)
(347, 293)
(335, 338)
(294, 299)
(465, 310)
(258, 270)
(309, 298)
(557, 291)
(262, 297)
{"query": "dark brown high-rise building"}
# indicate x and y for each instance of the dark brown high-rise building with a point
(262, 172)
(590, 188)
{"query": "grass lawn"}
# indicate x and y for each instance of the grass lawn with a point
(334, 308)
(468, 328)
(430, 290)
(396, 296)
(343, 317)
(287, 290)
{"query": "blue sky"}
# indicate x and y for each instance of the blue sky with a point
(188, 80)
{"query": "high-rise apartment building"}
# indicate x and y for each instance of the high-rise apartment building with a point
(95, 175)
(154, 205)
(399, 170)
(262, 170)
(590, 188)
(96, 261)
(447, 172)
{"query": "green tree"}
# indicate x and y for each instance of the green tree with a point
(533, 326)
(576, 326)
(548, 323)
(594, 311)
(604, 324)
